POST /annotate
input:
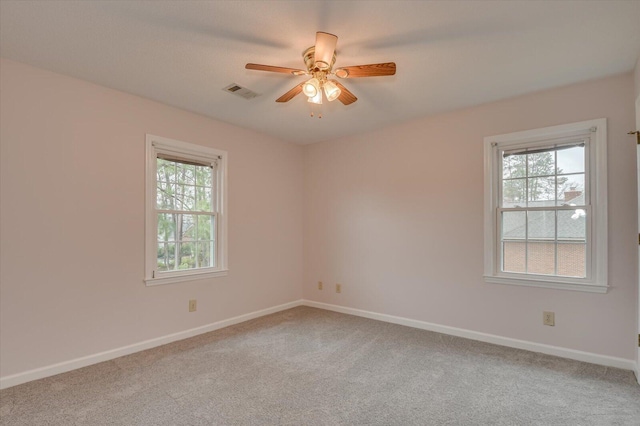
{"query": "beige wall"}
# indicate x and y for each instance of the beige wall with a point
(396, 217)
(72, 216)
(636, 75)
(391, 215)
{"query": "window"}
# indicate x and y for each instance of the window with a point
(546, 207)
(185, 211)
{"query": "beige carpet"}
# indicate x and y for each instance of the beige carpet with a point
(307, 366)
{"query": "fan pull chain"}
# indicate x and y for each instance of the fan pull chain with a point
(319, 114)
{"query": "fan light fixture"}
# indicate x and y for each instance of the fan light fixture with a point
(311, 88)
(331, 90)
(317, 99)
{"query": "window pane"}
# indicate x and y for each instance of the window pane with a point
(186, 173)
(571, 189)
(514, 225)
(571, 160)
(572, 225)
(541, 224)
(186, 227)
(541, 164)
(166, 170)
(205, 227)
(185, 197)
(514, 193)
(541, 258)
(165, 194)
(514, 166)
(205, 254)
(166, 227)
(161, 264)
(542, 191)
(572, 259)
(513, 256)
(186, 255)
(203, 199)
(166, 256)
(203, 176)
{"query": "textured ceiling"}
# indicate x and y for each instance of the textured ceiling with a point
(449, 54)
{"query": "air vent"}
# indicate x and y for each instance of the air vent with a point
(243, 92)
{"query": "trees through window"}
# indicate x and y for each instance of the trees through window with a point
(185, 209)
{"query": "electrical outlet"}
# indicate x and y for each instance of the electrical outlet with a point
(319, 285)
(549, 318)
(338, 288)
(192, 305)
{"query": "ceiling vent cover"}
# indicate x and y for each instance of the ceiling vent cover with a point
(238, 90)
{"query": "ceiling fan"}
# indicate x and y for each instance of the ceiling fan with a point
(319, 60)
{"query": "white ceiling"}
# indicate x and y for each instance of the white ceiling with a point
(449, 54)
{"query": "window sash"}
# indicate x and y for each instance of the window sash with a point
(541, 146)
(212, 213)
(532, 148)
(213, 239)
(212, 185)
(500, 239)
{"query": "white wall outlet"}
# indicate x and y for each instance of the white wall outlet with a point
(549, 318)
(192, 305)
(319, 285)
(338, 288)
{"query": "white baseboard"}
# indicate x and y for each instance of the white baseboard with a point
(609, 361)
(63, 367)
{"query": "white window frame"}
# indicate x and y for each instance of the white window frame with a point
(595, 178)
(158, 144)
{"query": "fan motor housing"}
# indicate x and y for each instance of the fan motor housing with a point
(309, 57)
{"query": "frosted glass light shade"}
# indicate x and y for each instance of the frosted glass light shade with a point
(317, 99)
(311, 88)
(331, 90)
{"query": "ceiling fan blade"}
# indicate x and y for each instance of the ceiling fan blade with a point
(324, 49)
(371, 70)
(290, 94)
(346, 97)
(271, 68)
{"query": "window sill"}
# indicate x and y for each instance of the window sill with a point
(185, 277)
(589, 288)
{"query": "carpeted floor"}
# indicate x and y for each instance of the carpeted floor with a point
(307, 366)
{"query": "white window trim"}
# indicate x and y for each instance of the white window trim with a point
(155, 144)
(596, 281)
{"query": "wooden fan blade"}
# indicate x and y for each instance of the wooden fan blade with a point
(271, 68)
(371, 70)
(290, 94)
(324, 49)
(346, 97)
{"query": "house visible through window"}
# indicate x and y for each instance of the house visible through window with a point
(544, 211)
(185, 211)
(546, 217)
